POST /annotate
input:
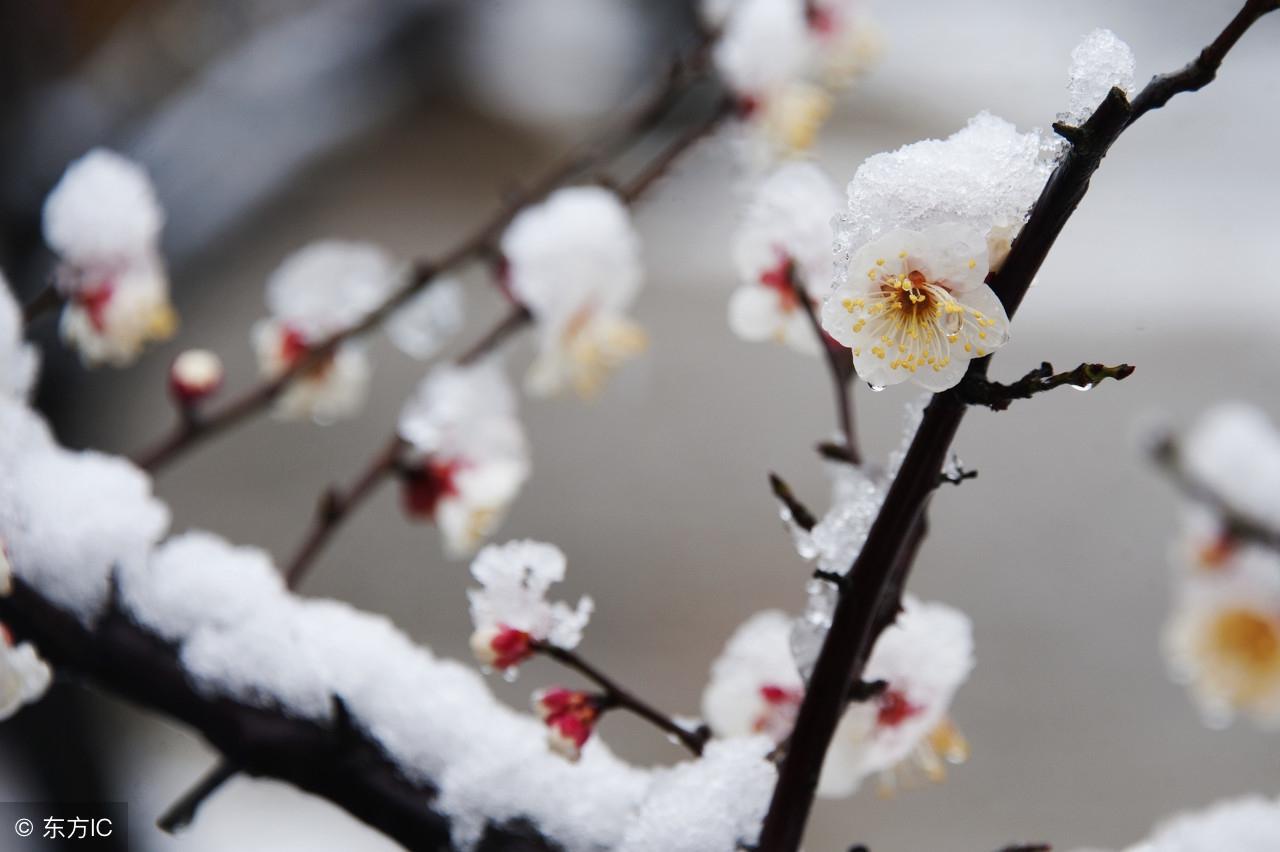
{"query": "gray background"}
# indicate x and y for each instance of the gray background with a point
(657, 491)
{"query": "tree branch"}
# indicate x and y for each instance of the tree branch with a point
(840, 367)
(616, 696)
(880, 570)
(800, 513)
(335, 761)
(978, 390)
(48, 300)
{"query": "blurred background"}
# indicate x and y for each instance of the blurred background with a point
(269, 123)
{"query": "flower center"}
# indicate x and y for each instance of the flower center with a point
(894, 708)
(94, 300)
(781, 278)
(434, 481)
(779, 714)
(1250, 641)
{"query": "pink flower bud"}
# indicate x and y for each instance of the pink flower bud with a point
(501, 647)
(195, 375)
(570, 716)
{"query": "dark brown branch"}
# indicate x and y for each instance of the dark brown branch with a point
(800, 514)
(334, 761)
(616, 696)
(335, 506)
(879, 573)
(182, 813)
(978, 390)
(481, 243)
(48, 300)
(839, 365)
(518, 318)
(1028, 847)
(1237, 525)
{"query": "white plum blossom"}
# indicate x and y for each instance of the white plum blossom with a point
(1223, 637)
(916, 306)
(849, 43)
(24, 677)
(320, 290)
(19, 361)
(755, 688)
(428, 320)
(511, 609)
(467, 453)
(103, 221)
(784, 240)
(574, 262)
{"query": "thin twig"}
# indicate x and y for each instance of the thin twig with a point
(182, 813)
(800, 514)
(839, 365)
(517, 319)
(978, 390)
(335, 506)
(615, 695)
(481, 243)
(48, 300)
(879, 573)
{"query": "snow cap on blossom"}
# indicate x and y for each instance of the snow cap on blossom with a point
(1099, 63)
(195, 375)
(24, 677)
(428, 320)
(19, 361)
(104, 222)
(985, 176)
(574, 262)
(329, 286)
(468, 456)
(570, 716)
(784, 237)
(1245, 824)
(103, 210)
(1223, 639)
(1234, 451)
(755, 688)
(916, 306)
(511, 607)
(333, 389)
(320, 290)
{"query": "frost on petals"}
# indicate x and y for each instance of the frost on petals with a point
(318, 291)
(467, 455)
(511, 607)
(755, 688)
(574, 262)
(783, 243)
(24, 677)
(104, 222)
(916, 306)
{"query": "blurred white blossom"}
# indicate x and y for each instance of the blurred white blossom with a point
(428, 320)
(19, 360)
(755, 688)
(467, 452)
(103, 221)
(916, 306)
(24, 677)
(783, 239)
(574, 262)
(318, 291)
(1245, 824)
